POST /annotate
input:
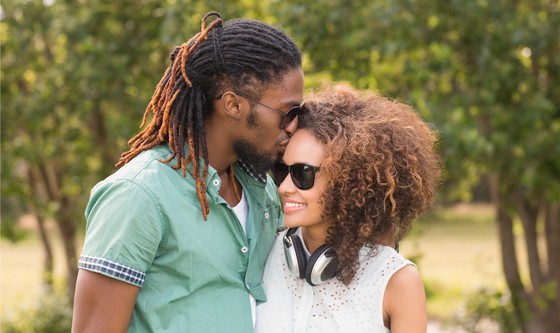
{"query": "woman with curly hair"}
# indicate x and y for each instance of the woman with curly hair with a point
(354, 176)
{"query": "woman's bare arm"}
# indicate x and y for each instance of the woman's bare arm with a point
(404, 303)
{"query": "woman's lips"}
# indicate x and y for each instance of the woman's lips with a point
(291, 206)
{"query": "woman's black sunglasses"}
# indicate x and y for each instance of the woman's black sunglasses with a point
(303, 175)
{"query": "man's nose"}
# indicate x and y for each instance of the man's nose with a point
(292, 127)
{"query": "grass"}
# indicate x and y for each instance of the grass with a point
(21, 266)
(456, 250)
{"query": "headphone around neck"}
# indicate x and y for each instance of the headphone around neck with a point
(321, 265)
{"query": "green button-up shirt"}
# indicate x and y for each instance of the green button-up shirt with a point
(145, 227)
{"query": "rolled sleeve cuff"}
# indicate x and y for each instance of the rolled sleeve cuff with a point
(112, 269)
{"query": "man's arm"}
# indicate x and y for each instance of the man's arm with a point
(102, 304)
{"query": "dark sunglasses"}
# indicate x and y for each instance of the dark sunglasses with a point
(303, 175)
(286, 118)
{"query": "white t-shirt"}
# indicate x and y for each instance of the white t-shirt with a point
(241, 210)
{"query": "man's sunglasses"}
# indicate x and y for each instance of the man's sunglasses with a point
(286, 118)
(303, 175)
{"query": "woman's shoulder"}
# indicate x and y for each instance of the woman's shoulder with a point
(382, 255)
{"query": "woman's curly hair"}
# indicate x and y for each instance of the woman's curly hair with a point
(381, 165)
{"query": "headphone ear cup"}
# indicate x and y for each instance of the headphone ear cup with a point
(321, 265)
(300, 255)
(294, 253)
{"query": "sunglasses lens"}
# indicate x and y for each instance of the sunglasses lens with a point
(290, 116)
(279, 173)
(303, 176)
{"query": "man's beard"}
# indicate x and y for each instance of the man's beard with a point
(249, 154)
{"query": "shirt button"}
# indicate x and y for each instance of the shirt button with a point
(244, 249)
(216, 182)
(266, 216)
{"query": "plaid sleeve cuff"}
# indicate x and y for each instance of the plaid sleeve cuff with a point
(112, 269)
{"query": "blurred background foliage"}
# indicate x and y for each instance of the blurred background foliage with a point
(77, 76)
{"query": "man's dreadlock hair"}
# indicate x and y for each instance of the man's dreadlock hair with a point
(245, 53)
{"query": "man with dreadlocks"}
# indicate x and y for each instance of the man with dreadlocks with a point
(176, 239)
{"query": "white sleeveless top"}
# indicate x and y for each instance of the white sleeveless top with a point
(295, 306)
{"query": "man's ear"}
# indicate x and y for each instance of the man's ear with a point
(231, 105)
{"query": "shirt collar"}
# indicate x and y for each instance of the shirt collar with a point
(248, 168)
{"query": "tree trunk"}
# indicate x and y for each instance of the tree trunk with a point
(48, 175)
(536, 306)
(528, 215)
(67, 229)
(509, 255)
(99, 132)
(47, 251)
(552, 237)
(36, 184)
